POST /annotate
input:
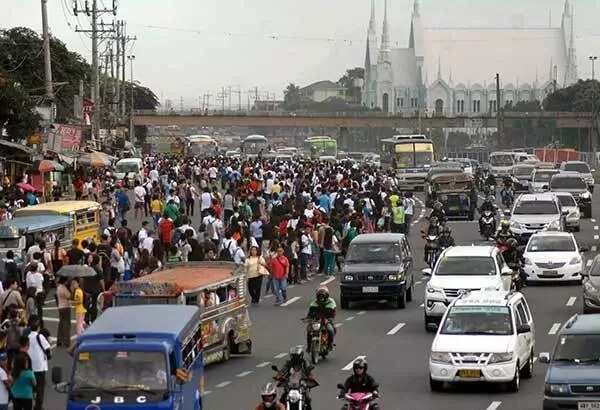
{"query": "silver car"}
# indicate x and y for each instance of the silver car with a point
(583, 169)
(568, 203)
(540, 179)
(591, 287)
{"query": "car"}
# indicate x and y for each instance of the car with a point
(591, 287)
(522, 174)
(485, 336)
(461, 268)
(378, 266)
(583, 169)
(532, 213)
(573, 183)
(573, 217)
(553, 257)
(573, 375)
(540, 179)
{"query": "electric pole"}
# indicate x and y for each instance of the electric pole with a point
(47, 60)
(117, 95)
(499, 111)
(131, 127)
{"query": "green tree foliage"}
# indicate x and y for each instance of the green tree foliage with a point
(524, 106)
(353, 93)
(575, 98)
(16, 110)
(292, 100)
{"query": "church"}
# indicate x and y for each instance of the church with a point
(451, 71)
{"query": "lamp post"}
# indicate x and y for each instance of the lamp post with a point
(131, 58)
(593, 60)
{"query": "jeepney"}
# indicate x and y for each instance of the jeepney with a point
(454, 192)
(218, 288)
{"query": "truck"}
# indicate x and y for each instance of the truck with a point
(137, 357)
(556, 155)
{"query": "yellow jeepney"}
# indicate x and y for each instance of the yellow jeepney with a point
(85, 216)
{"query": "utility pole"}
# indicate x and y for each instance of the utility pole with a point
(131, 127)
(117, 94)
(500, 111)
(229, 95)
(47, 60)
(593, 60)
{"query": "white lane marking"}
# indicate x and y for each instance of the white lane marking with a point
(349, 365)
(535, 359)
(422, 305)
(418, 282)
(55, 319)
(327, 281)
(339, 325)
(554, 329)
(292, 300)
(244, 374)
(263, 364)
(349, 318)
(50, 308)
(596, 237)
(206, 392)
(223, 384)
(589, 263)
(291, 286)
(270, 295)
(592, 220)
(494, 405)
(395, 329)
(362, 312)
(47, 302)
(280, 355)
(595, 227)
(594, 248)
(571, 301)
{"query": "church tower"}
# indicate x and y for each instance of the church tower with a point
(415, 42)
(568, 31)
(385, 95)
(368, 92)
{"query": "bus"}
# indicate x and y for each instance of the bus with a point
(412, 156)
(200, 146)
(255, 145)
(322, 148)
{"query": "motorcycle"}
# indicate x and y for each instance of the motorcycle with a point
(507, 197)
(319, 339)
(490, 190)
(431, 242)
(517, 279)
(295, 390)
(357, 401)
(487, 225)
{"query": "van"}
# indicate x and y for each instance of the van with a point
(131, 169)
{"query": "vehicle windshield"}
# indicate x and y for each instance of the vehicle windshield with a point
(535, 208)
(543, 176)
(255, 147)
(466, 266)
(478, 320)
(409, 156)
(373, 253)
(127, 168)
(578, 167)
(123, 372)
(578, 348)
(551, 244)
(11, 243)
(523, 171)
(501, 160)
(568, 183)
(566, 200)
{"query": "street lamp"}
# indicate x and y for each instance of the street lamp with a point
(593, 60)
(131, 58)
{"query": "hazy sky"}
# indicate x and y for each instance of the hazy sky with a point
(204, 45)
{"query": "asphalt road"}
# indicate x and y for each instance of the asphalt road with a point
(394, 342)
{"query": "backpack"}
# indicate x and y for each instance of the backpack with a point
(225, 254)
(13, 334)
(210, 230)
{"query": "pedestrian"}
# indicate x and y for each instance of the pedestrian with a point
(63, 294)
(75, 255)
(39, 352)
(330, 249)
(35, 279)
(78, 305)
(9, 298)
(157, 209)
(305, 253)
(409, 209)
(24, 383)
(5, 380)
(139, 193)
(255, 267)
(280, 269)
(59, 255)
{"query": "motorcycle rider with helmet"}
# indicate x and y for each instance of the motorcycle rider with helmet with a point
(504, 233)
(360, 382)
(438, 212)
(513, 257)
(507, 192)
(434, 229)
(490, 181)
(487, 205)
(296, 365)
(446, 240)
(268, 395)
(323, 307)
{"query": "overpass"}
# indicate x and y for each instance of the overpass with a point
(363, 120)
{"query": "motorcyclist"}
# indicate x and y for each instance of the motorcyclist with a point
(323, 307)
(438, 212)
(507, 192)
(360, 382)
(296, 367)
(268, 395)
(504, 233)
(513, 257)
(446, 240)
(434, 229)
(487, 205)
(490, 181)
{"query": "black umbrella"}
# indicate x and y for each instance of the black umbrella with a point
(76, 271)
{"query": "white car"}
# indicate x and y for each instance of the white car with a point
(540, 179)
(553, 257)
(533, 213)
(461, 268)
(568, 203)
(485, 336)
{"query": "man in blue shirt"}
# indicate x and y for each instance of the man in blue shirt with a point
(325, 201)
(122, 202)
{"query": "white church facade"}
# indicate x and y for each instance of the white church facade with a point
(451, 71)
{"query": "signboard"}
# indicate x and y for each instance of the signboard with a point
(64, 138)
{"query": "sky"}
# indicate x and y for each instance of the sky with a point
(187, 48)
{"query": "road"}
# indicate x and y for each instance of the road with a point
(394, 341)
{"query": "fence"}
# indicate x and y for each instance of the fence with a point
(482, 156)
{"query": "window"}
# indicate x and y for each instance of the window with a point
(493, 107)
(401, 102)
(476, 106)
(460, 105)
(521, 315)
(397, 102)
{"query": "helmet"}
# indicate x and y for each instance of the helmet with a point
(297, 356)
(446, 230)
(322, 294)
(360, 363)
(437, 206)
(269, 394)
(505, 225)
(433, 220)
(512, 242)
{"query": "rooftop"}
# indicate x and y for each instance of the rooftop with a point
(469, 251)
(582, 324)
(378, 237)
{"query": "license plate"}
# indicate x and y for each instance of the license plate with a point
(469, 373)
(588, 405)
(370, 289)
(550, 273)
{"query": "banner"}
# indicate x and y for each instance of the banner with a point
(64, 138)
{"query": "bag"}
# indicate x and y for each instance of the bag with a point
(225, 254)
(210, 230)
(121, 265)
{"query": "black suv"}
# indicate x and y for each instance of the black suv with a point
(573, 183)
(378, 266)
(573, 375)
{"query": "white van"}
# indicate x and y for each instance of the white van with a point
(130, 168)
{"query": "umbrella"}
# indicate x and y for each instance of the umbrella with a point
(95, 159)
(47, 165)
(76, 271)
(26, 187)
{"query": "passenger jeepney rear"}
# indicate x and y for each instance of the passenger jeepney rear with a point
(453, 191)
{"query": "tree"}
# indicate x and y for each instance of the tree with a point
(353, 92)
(17, 113)
(291, 97)
(575, 98)
(524, 106)
(457, 140)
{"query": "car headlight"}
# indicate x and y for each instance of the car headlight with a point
(556, 389)
(585, 195)
(294, 396)
(501, 357)
(515, 225)
(528, 261)
(441, 357)
(590, 287)
(392, 277)
(431, 289)
(348, 277)
(575, 260)
(554, 225)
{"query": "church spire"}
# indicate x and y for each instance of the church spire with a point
(384, 53)
(372, 20)
(439, 74)
(416, 9)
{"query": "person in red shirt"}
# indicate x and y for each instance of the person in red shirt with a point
(166, 226)
(78, 187)
(280, 268)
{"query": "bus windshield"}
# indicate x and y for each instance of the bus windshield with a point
(413, 154)
(127, 167)
(321, 148)
(255, 147)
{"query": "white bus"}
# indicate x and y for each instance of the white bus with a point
(255, 145)
(200, 145)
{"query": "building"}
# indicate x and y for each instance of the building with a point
(322, 90)
(267, 105)
(450, 71)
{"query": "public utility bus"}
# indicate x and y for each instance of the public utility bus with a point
(200, 146)
(412, 156)
(323, 148)
(254, 146)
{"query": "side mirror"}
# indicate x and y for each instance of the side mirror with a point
(56, 375)
(523, 329)
(564, 212)
(426, 272)
(407, 259)
(592, 170)
(544, 357)
(432, 327)
(545, 187)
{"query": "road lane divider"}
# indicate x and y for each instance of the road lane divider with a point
(280, 355)
(395, 329)
(422, 305)
(349, 318)
(595, 227)
(327, 281)
(292, 300)
(339, 325)
(554, 329)
(362, 312)
(263, 364)
(596, 237)
(594, 248)
(244, 374)
(571, 300)
(349, 365)
(592, 220)
(494, 405)
(223, 384)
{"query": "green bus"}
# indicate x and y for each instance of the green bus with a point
(322, 148)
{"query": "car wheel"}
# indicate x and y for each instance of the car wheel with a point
(435, 385)
(527, 371)
(344, 303)
(515, 383)
(401, 299)
(410, 291)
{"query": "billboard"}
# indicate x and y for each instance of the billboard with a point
(64, 138)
